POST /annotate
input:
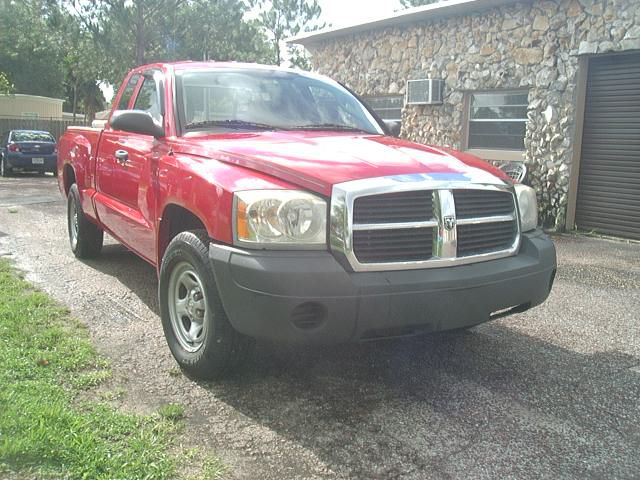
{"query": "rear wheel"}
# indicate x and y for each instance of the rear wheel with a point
(5, 170)
(195, 324)
(84, 236)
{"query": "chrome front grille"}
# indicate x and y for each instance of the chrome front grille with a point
(389, 224)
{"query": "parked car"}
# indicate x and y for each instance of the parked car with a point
(28, 150)
(275, 204)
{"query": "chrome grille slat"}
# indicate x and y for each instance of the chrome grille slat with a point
(394, 226)
(496, 219)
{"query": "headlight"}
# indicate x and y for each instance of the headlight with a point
(528, 206)
(280, 219)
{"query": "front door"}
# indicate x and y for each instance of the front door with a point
(126, 202)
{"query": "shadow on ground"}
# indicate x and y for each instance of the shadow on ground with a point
(494, 401)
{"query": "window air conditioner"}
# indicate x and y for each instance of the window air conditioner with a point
(424, 92)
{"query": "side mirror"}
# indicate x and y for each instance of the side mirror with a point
(393, 127)
(136, 121)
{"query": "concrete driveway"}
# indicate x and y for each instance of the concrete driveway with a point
(551, 393)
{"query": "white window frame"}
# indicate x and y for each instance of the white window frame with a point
(494, 154)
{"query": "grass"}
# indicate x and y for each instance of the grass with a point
(171, 412)
(46, 361)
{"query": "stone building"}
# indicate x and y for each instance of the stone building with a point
(553, 83)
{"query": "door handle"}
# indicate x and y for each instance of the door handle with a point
(122, 156)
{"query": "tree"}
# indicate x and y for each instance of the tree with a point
(417, 3)
(216, 30)
(30, 48)
(134, 32)
(6, 87)
(128, 32)
(67, 47)
(286, 18)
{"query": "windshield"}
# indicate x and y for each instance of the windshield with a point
(31, 137)
(228, 99)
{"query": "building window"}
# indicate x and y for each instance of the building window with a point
(497, 120)
(388, 107)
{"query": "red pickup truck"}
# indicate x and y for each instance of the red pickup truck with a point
(275, 204)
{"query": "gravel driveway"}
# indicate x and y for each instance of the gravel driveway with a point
(551, 393)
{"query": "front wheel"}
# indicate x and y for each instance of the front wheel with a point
(85, 237)
(196, 327)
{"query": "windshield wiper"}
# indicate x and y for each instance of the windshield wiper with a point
(231, 124)
(329, 126)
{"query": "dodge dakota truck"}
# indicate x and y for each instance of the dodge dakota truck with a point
(275, 204)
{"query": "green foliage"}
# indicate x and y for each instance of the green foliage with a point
(30, 49)
(417, 3)
(134, 32)
(225, 36)
(171, 411)
(65, 48)
(44, 432)
(286, 18)
(6, 87)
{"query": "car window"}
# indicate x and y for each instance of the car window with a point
(123, 104)
(32, 137)
(148, 98)
(227, 98)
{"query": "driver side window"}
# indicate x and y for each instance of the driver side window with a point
(148, 99)
(128, 92)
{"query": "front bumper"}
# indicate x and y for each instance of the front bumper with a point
(304, 297)
(24, 161)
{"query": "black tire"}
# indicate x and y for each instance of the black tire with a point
(218, 349)
(85, 237)
(5, 170)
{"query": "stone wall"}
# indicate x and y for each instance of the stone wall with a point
(532, 44)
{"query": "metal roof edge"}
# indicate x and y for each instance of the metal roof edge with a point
(444, 8)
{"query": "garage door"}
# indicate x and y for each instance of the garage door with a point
(609, 185)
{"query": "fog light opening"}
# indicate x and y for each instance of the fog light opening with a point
(309, 315)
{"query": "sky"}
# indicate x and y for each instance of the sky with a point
(349, 12)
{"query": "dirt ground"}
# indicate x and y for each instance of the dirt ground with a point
(550, 393)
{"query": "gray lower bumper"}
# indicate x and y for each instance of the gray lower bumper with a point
(309, 297)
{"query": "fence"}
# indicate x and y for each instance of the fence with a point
(55, 126)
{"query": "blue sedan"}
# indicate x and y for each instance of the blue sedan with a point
(28, 150)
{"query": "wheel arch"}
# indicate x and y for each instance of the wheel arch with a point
(68, 177)
(174, 220)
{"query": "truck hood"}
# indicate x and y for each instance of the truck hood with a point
(318, 160)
